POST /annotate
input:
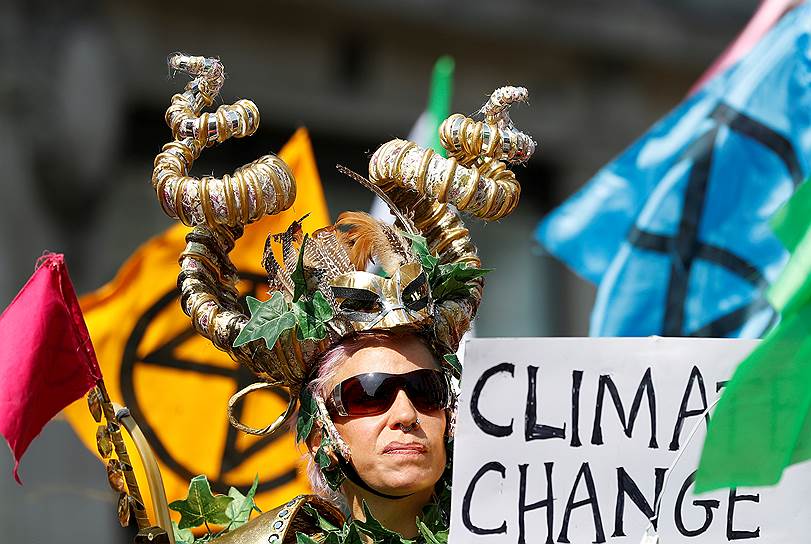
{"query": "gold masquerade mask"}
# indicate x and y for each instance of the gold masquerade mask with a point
(371, 301)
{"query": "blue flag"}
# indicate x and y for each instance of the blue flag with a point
(674, 231)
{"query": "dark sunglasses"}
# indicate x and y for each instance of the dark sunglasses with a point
(374, 393)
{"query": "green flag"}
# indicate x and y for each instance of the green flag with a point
(439, 101)
(762, 423)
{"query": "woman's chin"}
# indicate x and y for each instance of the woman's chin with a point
(404, 482)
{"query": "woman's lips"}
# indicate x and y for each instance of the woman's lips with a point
(400, 448)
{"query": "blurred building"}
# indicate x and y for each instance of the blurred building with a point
(83, 89)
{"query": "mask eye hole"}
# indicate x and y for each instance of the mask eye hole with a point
(415, 295)
(358, 304)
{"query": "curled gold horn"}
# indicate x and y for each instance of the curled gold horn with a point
(474, 178)
(263, 187)
(218, 209)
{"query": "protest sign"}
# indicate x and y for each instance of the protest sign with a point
(563, 440)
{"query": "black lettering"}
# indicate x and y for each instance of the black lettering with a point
(577, 379)
(599, 534)
(645, 387)
(732, 533)
(684, 413)
(706, 504)
(547, 503)
(532, 430)
(626, 486)
(482, 422)
(493, 466)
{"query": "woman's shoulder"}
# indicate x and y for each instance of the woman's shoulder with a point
(280, 525)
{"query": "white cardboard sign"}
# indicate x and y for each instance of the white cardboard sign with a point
(564, 440)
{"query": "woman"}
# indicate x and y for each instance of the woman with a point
(368, 358)
(393, 417)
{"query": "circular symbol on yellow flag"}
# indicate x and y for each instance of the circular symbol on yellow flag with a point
(177, 386)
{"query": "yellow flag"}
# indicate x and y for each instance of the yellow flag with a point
(175, 383)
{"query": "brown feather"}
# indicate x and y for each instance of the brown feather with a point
(406, 221)
(370, 239)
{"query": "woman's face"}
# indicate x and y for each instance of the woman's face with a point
(388, 459)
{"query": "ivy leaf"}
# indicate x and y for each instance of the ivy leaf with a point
(306, 416)
(453, 360)
(201, 506)
(301, 538)
(375, 529)
(352, 535)
(334, 477)
(311, 316)
(239, 511)
(319, 519)
(321, 458)
(431, 537)
(269, 320)
(420, 246)
(299, 282)
(182, 536)
(451, 280)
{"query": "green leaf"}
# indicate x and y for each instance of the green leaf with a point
(301, 538)
(431, 537)
(334, 477)
(299, 282)
(239, 511)
(462, 272)
(420, 246)
(201, 506)
(375, 529)
(269, 320)
(182, 536)
(352, 535)
(319, 519)
(306, 415)
(451, 280)
(453, 360)
(321, 458)
(312, 316)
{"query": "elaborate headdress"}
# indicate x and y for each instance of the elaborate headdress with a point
(320, 290)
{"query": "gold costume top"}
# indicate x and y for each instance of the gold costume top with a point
(280, 525)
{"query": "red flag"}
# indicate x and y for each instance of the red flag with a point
(46, 358)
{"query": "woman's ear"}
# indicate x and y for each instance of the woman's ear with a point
(313, 441)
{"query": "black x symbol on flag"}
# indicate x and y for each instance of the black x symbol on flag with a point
(686, 247)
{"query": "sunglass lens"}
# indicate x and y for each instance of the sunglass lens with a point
(366, 395)
(427, 389)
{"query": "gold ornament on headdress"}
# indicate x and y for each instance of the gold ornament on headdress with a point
(320, 289)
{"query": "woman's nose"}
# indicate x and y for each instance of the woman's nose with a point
(402, 411)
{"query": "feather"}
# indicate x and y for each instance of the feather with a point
(289, 239)
(278, 279)
(405, 221)
(370, 239)
(325, 252)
